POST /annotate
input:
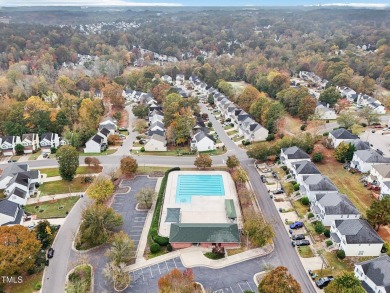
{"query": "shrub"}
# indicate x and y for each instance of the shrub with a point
(319, 228)
(169, 247)
(153, 233)
(293, 183)
(142, 149)
(296, 187)
(53, 150)
(340, 254)
(318, 157)
(154, 248)
(162, 241)
(328, 243)
(305, 201)
(325, 133)
(38, 286)
(284, 168)
(246, 142)
(281, 135)
(209, 124)
(327, 233)
(363, 124)
(310, 215)
(288, 176)
(138, 137)
(141, 141)
(303, 127)
(270, 137)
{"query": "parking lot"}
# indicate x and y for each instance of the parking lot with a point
(238, 287)
(124, 204)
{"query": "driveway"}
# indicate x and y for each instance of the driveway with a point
(377, 140)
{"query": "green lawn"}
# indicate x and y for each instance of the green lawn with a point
(84, 274)
(238, 138)
(105, 153)
(301, 209)
(232, 132)
(228, 127)
(215, 152)
(305, 251)
(34, 156)
(49, 209)
(52, 172)
(149, 169)
(61, 186)
(30, 284)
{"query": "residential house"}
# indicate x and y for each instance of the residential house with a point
(328, 207)
(325, 113)
(10, 171)
(374, 274)
(341, 135)
(202, 142)
(22, 186)
(291, 155)
(360, 145)
(167, 79)
(108, 123)
(30, 141)
(180, 78)
(316, 184)
(363, 160)
(10, 213)
(98, 142)
(158, 132)
(374, 104)
(347, 92)
(380, 175)
(158, 125)
(49, 140)
(303, 168)
(252, 131)
(356, 237)
(156, 117)
(8, 144)
(157, 143)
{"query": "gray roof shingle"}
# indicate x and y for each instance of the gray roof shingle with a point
(342, 133)
(378, 271)
(305, 167)
(295, 153)
(319, 182)
(357, 231)
(8, 208)
(371, 156)
(336, 204)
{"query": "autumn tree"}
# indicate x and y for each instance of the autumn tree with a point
(330, 96)
(345, 283)
(117, 275)
(274, 113)
(140, 111)
(260, 108)
(259, 152)
(240, 176)
(248, 97)
(45, 233)
(145, 197)
(180, 129)
(90, 112)
(88, 161)
(18, 250)
(100, 190)
(99, 222)
(128, 166)
(15, 124)
(279, 280)
(369, 115)
(160, 91)
(177, 281)
(306, 107)
(232, 162)
(171, 106)
(344, 152)
(34, 104)
(140, 125)
(122, 249)
(203, 161)
(113, 92)
(342, 105)
(68, 161)
(378, 214)
(346, 119)
(259, 232)
(225, 88)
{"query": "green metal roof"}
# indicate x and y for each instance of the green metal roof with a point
(230, 209)
(201, 233)
(173, 215)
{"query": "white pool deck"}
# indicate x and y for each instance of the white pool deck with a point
(202, 209)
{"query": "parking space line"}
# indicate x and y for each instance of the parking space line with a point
(167, 266)
(142, 273)
(231, 289)
(159, 268)
(150, 271)
(240, 287)
(249, 285)
(174, 262)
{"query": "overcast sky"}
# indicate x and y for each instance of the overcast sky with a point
(187, 2)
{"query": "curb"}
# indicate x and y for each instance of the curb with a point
(256, 275)
(92, 276)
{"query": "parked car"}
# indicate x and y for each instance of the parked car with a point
(296, 225)
(122, 136)
(323, 282)
(263, 179)
(50, 253)
(300, 243)
(298, 237)
(45, 155)
(312, 274)
(274, 174)
(122, 128)
(278, 191)
(12, 161)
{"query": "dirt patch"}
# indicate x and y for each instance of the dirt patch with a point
(384, 233)
(124, 122)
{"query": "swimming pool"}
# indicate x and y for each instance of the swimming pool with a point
(205, 185)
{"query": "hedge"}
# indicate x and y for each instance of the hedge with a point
(154, 248)
(163, 241)
(157, 211)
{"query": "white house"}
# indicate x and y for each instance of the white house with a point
(108, 123)
(361, 145)
(341, 135)
(22, 186)
(374, 104)
(363, 160)
(325, 113)
(316, 184)
(347, 92)
(30, 141)
(374, 274)
(253, 131)
(156, 143)
(356, 237)
(10, 171)
(180, 78)
(293, 154)
(328, 207)
(49, 140)
(98, 142)
(8, 145)
(202, 142)
(303, 168)
(167, 79)
(10, 213)
(158, 125)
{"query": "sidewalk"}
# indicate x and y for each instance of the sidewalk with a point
(50, 197)
(58, 178)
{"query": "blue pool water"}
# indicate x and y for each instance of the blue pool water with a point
(206, 185)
